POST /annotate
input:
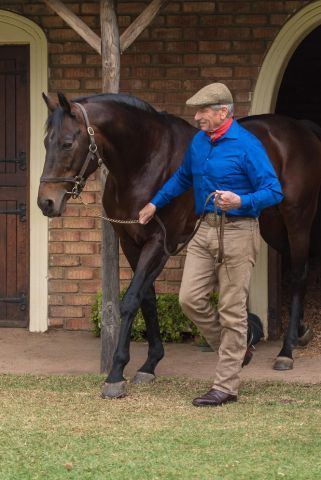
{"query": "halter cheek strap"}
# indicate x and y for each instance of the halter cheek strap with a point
(79, 180)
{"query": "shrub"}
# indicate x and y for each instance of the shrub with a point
(173, 324)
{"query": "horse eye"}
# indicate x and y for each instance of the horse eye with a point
(67, 145)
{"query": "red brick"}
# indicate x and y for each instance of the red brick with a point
(90, 286)
(56, 286)
(64, 84)
(166, 33)
(167, 85)
(55, 323)
(55, 222)
(93, 8)
(83, 72)
(182, 20)
(80, 248)
(77, 47)
(91, 261)
(125, 274)
(55, 273)
(184, 46)
(55, 299)
(198, 7)
(82, 222)
(55, 247)
(215, 46)
(64, 236)
(77, 324)
(216, 20)
(64, 260)
(66, 60)
(233, 6)
(166, 58)
(79, 273)
(251, 19)
(183, 72)
(265, 32)
(78, 299)
(200, 59)
(62, 35)
(65, 311)
(174, 274)
(90, 236)
(216, 72)
(246, 72)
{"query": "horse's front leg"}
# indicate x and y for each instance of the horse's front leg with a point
(299, 246)
(150, 264)
(146, 373)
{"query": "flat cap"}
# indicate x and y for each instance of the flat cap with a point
(213, 94)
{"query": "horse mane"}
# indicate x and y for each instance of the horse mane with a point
(118, 98)
(55, 119)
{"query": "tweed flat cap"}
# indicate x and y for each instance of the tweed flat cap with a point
(213, 94)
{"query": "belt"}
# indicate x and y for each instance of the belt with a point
(214, 220)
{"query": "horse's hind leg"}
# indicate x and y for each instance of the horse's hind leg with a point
(146, 373)
(299, 247)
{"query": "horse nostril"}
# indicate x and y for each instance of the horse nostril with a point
(46, 206)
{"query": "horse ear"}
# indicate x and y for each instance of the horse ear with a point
(63, 102)
(50, 104)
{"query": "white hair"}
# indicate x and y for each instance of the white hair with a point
(229, 106)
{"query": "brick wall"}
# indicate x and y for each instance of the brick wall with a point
(190, 43)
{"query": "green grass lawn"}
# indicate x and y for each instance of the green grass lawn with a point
(60, 428)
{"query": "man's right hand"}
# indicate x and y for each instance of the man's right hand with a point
(147, 213)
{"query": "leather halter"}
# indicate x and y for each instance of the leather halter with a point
(79, 180)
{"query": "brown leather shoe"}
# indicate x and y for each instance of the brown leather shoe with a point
(214, 398)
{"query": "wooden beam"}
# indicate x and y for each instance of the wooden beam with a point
(128, 36)
(110, 317)
(140, 23)
(75, 23)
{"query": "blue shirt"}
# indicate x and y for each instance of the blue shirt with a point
(236, 162)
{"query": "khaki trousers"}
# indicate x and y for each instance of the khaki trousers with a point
(226, 327)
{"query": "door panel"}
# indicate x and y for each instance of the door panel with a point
(14, 185)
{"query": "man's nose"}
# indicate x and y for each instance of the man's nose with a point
(197, 116)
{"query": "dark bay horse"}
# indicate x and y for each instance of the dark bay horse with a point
(141, 149)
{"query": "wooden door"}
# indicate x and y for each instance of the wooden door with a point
(14, 185)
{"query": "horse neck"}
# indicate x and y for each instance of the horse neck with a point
(129, 139)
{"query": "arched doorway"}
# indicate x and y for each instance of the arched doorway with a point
(300, 97)
(16, 30)
(265, 100)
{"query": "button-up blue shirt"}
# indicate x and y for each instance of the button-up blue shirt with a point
(236, 162)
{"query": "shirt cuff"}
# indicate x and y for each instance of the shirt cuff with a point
(246, 203)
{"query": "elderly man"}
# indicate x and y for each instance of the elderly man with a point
(226, 159)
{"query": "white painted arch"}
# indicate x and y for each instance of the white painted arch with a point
(16, 29)
(264, 101)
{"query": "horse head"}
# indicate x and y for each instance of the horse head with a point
(67, 143)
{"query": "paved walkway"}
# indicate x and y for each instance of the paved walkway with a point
(60, 352)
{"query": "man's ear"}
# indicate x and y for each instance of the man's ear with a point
(50, 103)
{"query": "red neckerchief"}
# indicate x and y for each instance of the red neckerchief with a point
(221, 130)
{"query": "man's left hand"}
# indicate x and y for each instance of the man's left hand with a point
(227, 200)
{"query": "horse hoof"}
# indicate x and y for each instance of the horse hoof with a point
(143, 378)
(305, 338)
(283, 363)
(114, 390)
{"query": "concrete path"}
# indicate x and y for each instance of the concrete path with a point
(59, 352)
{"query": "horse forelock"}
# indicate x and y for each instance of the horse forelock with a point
(55, 120)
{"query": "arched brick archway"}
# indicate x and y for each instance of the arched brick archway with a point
(264, 101)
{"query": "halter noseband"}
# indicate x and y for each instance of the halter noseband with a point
(79, 180)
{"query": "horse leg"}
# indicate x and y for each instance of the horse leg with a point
(150, 264)
(146, 373)
(299, 248)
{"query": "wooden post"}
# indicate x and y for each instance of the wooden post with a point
(110, 324)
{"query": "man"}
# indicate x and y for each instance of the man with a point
(226, 159)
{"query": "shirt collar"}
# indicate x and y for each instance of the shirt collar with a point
(232, 132)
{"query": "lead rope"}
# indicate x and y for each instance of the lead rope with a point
(219, 228)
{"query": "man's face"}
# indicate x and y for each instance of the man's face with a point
(209, 120)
